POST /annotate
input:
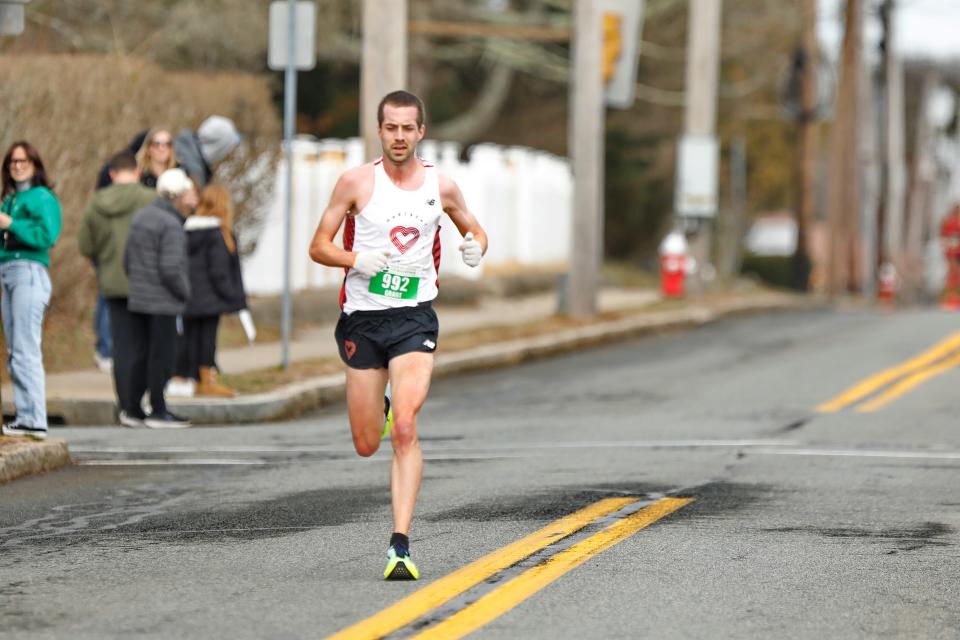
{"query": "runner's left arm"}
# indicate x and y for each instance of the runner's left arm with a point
(456, 207)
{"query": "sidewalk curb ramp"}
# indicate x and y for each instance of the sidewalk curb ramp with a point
(297, 398)
(24, 456)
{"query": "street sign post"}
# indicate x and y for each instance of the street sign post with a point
(291, 47)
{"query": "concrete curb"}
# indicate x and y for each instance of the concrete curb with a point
(294, 399)
(24, 456)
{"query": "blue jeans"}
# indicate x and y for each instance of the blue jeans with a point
(101, 327)
(25, 296)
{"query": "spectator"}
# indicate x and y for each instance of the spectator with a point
(103, 346)
(156, 263)
(156, 156)
(198, 153)
(216, 288)
(30, 219)
(103, 177)
(103, 238)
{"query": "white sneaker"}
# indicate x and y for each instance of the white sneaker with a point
(15, 429)
(166, 420)
(181, 387)
(128, 420)
(104, 364)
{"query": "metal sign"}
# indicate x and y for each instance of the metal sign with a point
(696, 191)
(305, 20)
(11, 17)
(622, 24)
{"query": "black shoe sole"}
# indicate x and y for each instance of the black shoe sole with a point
(400, 572)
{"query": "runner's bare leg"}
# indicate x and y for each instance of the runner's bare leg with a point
(409, 383)
(365, 388)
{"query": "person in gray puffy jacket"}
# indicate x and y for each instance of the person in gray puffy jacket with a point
(156, 263)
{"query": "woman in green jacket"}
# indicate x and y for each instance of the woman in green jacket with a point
(30, 222)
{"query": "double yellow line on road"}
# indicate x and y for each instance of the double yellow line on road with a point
(514, 591)
(890, 384)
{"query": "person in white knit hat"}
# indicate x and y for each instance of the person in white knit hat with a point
(156, 264)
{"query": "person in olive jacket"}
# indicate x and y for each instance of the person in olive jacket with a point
(103, 238)
(216, 288)
(155, 260)
(30, 219)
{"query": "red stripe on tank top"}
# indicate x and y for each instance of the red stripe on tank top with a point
(349, 231)
(436, 254)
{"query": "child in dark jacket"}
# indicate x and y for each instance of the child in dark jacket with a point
(216, 289)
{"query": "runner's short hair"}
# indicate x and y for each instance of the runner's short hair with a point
(401, 99)
(123, 161)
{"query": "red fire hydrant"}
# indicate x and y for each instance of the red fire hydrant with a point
(950, 239)
(673, 264)
(887, 283)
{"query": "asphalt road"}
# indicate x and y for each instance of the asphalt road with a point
(802, 524)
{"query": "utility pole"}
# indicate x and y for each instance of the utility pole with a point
(586, 149)
(893, 169)
(921, 194)
(868, 151)
(730, 232)
(383, 62)
(845, 187)
(702, 66)
(698, 156)
(808, 143)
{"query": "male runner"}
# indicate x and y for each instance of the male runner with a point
(388, 330)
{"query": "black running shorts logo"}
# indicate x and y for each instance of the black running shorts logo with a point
(350, 348)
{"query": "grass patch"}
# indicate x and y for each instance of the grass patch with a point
(261, 380)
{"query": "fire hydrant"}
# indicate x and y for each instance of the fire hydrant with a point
(950, 240)
(887, 283)
(674, 256)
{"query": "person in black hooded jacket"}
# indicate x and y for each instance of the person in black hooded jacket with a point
(216, 289)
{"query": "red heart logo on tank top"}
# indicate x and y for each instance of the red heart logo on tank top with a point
(404, 237)
(350, 348)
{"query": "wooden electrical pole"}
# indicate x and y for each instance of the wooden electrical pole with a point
(845, 187)
(586, 144)
(383, 63)
(703, 64)
(808, 144)
(919, 208)
(894, 165)
(700, 110)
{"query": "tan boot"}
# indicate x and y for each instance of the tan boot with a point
(210, 384)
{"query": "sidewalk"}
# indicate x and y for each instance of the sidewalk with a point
(86, 397)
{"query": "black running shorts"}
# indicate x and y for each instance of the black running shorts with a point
(370, 339)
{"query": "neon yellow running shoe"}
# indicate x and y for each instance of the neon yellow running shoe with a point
(399, 564)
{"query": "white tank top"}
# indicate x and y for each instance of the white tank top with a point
(408, 224)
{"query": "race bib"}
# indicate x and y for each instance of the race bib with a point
(391, 284)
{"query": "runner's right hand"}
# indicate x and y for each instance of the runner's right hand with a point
(370, 263)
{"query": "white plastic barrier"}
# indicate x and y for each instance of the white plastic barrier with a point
(521, 196)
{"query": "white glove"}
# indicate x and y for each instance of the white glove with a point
(471, 251)
(370, 263)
